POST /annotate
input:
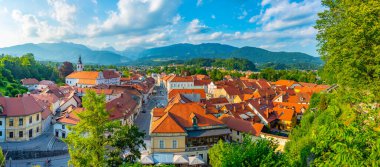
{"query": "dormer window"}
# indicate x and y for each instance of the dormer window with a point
(195, 121)
(1, 109)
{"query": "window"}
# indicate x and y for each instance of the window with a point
(237, 132)
(10, 134)
(38, 129)
(63, 126)
(20, 134)
(38, 117)
(20, 122)
(162, 144)
(10, 122)
(175, 144)
(30, 133)
(1, 123)
(30, 119)
(1, 133)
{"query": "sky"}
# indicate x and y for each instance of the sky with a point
(276, 25)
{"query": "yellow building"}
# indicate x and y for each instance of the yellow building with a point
(184, 131)
(23, 118)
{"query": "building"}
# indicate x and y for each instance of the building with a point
(185, 130)
(30, 83)
(240, 127)
(79, 64)
(68, 118)
(84, 79)
(22, 117)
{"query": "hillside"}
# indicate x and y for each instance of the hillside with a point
(214, 50)
(63, 51)
(177, 53)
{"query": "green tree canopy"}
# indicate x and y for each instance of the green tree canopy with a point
(97, 141)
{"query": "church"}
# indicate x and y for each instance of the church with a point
(85, 79)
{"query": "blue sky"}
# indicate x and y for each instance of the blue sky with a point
(277, 25)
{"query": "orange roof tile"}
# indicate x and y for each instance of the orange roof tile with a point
(166, 124)
(174, 92)
(84, 75)
(71, 117)
(182, 79)
(286, 83)
(241, 125)
(87, 81)
(284, 114)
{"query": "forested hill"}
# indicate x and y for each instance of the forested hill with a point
(60, 52)
(215, 50)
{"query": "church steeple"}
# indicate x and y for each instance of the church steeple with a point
(79, 64)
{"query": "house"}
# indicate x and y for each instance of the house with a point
(22, 117)
(185, 130)
(228, 92)
(239, 127)
(84, 79)
(68, 118)
(44, 84)
(123, 108)
(288, 83)
(217, 102)
(30, 83)
(286, 118)
(174, 92)
(109, 93)
(178, 82)
(52, 101)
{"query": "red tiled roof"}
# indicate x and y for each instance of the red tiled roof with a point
(70, 116)
(46, 82)
(49, 97)
(182, 79)
(174, 92)
(20, 106)
(108, 74)
(84, 75)
(284, 114)
(242, 125)
(121, 107)
(29, 81)
(179, 116)
(220, 100)
(202, 82)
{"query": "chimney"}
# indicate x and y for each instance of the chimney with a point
(121, 95)
(67, 115)
(259, 101)
(234, 108)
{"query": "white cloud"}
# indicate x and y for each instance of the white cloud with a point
(176, 19)
(213, 16)
(136, 16)
(195, 27)
(243, 15)
(275, 14)
(149, 40)
(63, 12)
(199, 2)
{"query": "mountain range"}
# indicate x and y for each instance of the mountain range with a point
(63, 51)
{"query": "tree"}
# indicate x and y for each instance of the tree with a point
(349, 44)
(2, 158)
(260, 152)
(342, 128)
(66, 69)
(88, 142)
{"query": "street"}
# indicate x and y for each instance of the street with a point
(143, 119)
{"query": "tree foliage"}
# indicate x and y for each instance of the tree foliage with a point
(229, 64)
(260, 152)
(97, 141)
(342, 128)
(349, 38)
(66, 69)
(296, 75)
(13, 69)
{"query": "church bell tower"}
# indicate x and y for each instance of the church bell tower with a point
(79, 64)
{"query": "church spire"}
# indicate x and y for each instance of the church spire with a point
(79, 64)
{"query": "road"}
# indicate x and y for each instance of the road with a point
(57, 161)
(143, 119)
(39, 143)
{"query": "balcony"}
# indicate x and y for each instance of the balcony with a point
(196, 148)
